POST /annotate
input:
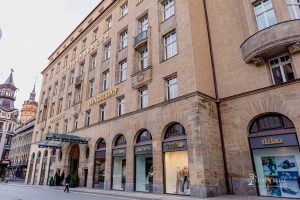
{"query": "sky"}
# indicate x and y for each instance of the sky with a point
(31, 31)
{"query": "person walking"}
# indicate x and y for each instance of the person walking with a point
(62, 178)
(68, 180)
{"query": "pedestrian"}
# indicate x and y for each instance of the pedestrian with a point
(68, 180)
(62, 178)
(57, 179)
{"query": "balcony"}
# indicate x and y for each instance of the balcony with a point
(272, 40)
(78, 80)
(141, 78)
(141, 38)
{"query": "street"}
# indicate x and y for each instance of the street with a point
(22, 192)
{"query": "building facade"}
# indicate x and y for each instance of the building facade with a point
(175, 97)
(29, 108)
(8, 120)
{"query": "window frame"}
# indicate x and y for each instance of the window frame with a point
(170, 44)
(105, 80)
(264, 13)
(170, 86)
(293, 6)
(165, 10)
(121, 105)
(142, 96)
(123, 65)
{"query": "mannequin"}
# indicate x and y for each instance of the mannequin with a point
(185, 175)
(178, 180)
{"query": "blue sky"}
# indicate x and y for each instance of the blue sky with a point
(31, 31)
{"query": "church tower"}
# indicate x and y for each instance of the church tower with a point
(29, 108)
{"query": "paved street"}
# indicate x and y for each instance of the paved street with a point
(25, 192)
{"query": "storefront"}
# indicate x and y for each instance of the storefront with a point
(275, 151)
(30, 168)
(51, 168)
(37, 167)
(176, 167)
(99, 168)
(119, 163)
(43, 170)
(143, 162)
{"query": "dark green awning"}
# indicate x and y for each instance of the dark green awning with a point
(56, 140)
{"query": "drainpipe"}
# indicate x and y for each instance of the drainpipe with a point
(218, 102)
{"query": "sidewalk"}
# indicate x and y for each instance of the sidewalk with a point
(136, 195)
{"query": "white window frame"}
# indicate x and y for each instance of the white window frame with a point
(144, 59)
(293, 5)
(144, 23)
(281, 64)
(121, 106)
(144, 98)
(88, 118)
(108, 22)
(105, 80)
(123, 71)
(264, 13)
(172, 88)
(95, 34)
(124, 9)
(168, 9)
(69, 102)
(107, 51)
(91, 88)
(124, 39)
(102, 112)
(170, 45)
(94, 61)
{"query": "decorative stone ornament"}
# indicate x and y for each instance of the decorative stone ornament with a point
(258, 61)
(294, 48)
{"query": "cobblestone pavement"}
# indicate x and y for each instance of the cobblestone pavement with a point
(18, 191)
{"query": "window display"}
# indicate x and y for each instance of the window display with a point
(278, 171)
(177, 172)
(144, 173)
(119, 173)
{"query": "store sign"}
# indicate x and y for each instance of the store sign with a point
(180, 145)
(119, 152)
(283, 140)
(103, 96)
(57, 118)
(146, 149)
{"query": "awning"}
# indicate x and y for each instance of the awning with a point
(56, 140)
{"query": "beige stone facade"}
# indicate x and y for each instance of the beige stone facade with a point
(223, 81)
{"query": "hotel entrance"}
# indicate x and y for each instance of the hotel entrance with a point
(74, 160)
(276, 156)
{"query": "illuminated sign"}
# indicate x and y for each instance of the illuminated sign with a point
(103, 96)
(269, 141)
(180, 145)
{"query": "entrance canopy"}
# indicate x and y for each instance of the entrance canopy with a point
(56, 140)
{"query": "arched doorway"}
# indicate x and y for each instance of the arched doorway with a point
(37, 166)
(74, 159)
(99, 164)
(43, 170)
(143, 162)
(176, 165)
(276, 157)
(119, 163)
(30, 168)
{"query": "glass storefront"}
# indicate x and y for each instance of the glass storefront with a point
(99, 170)
(177, 172)
(119, 173)
(144, 173)
(277, 171)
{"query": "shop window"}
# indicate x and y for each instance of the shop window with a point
(144, 162)
(176, 165)
(100, 158)
(119, 163)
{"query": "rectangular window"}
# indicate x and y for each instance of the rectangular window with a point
(66, 126)
(144, 98)
(294, 8)
(144, 24)
(102, 112)
(55, 89)
(60, 105)
(282, 70)
(56, 128)
(168, 9)
(121, 106)
(83, 45)
(144, 58)
(75, 122)
(52, 110)
(170, 45)
(88, 118)
(71, 77)
(172, 88)
(63, 83)
(93, 61)
(91, 88)
(123, 71)
(124, 10)
(265, 14)
(108, 23)
(107, 51)
(66, 61)
(123, 39)
(69, 102)
(95, 34)
(105, 80)
(74, 53)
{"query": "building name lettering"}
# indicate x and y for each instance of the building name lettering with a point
(103, 96)
(57, 118)
(175, 145)
(270, 141)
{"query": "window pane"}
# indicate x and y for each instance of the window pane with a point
(261, 22)
(277, 75)
(271, 17)
(288, 70)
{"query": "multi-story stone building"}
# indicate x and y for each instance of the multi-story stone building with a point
(175, 97)
(21, 141)
(8, 120)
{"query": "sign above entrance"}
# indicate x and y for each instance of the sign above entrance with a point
(66, 138)
(180, 145)
(103, 96)
(145, 149)
(283, 140)
(119, 152)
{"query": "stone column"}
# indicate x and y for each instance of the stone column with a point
(158, 167)
(129, 186)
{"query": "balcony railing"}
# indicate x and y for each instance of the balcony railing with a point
(79, 79)
(142, 36)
